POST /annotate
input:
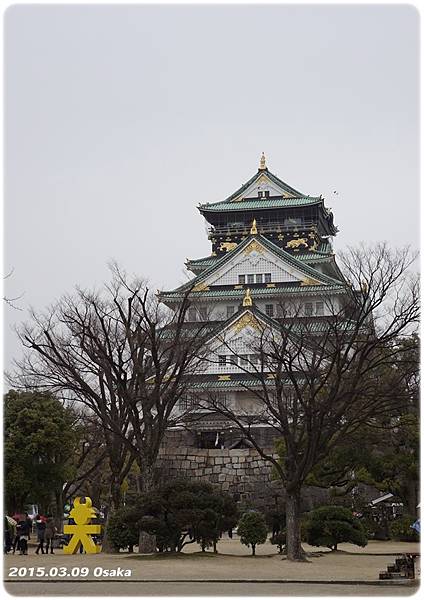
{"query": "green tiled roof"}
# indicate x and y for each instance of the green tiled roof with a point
(231, 203)
(314, 257)
(322, 254)
(312, 290)
(218, 384)
(318, 326)
(259, 204)
(305, 268)
(202, 263)
(279, 182)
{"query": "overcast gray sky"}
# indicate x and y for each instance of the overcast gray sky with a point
(121, 119)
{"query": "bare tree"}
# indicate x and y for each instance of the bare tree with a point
(88, 461)
(317, 381)
(7, 299)
(127, 359)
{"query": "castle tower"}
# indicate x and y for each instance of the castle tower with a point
(271, 260)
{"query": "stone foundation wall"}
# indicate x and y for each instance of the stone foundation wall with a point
(241, 473)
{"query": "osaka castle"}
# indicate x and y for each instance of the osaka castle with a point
(271, 260)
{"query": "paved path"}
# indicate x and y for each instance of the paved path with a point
(102, 588)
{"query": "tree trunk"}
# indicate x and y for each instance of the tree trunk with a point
(107, 545)
(146, 541)
(293, 540)
(115, 502)
(59, 511)
(412, 497)
(253, 549)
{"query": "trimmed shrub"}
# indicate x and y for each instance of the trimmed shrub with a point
(252, 529)
(122, 528)
(185, 512)
(332, 525)
(400, 529)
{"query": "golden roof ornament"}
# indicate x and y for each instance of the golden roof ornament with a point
(262, 163)
(253, 229)
(247, 300)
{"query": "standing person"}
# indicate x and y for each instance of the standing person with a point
(28, 521)
(8, 536)
(40, 527)
(49, 534)
(15, 543)
(23, 534)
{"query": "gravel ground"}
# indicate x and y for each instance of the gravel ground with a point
(225, 573)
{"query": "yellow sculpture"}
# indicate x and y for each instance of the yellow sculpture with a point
(82, 530)
(253, 229)
(262, 163)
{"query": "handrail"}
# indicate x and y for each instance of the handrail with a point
(262, 228)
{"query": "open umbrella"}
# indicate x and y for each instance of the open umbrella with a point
(19, 517)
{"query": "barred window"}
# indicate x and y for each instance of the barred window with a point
(202, 313)
(259, 278)
(230, 311)
(250, 278)
(242, 279)
(269, 310)
(319, 308)
(222, 400)
(222, 359)
(187, 402)
(308, 309)
(267, 277)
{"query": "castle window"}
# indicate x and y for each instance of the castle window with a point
(267, 277)
(233, 360)
(222, 360)
(242, 279)
(203, 313)
(319, 309)
(255, 359)
(230, 311)
(309, 309)
(192, 314)
(259, 278)
(244, 360)
(187, 403)
(222, 400)
(251, 278)
(269, 310)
